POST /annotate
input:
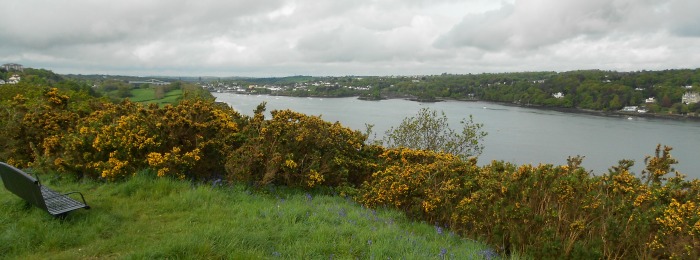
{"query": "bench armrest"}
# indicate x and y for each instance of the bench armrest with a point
(81, 197)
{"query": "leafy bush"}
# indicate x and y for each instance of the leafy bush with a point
(297, 150)
(33, 125)
(428, 131)
(72, 132)
(547, 211)
(186, 140)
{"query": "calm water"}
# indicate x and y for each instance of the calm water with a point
(519, 135)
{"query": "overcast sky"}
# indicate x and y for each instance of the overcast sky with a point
(348, 37)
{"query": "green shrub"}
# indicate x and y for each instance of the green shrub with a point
(297, 150)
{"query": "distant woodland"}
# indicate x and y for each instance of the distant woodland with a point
(658, 92)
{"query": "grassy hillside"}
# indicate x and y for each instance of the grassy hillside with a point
(148, 217)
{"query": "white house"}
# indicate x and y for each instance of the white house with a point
(2, 82)
(690, 98)
(630, 109)
(650, 100)
(14, 79)
(558, 95)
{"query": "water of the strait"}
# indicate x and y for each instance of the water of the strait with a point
(515, 134)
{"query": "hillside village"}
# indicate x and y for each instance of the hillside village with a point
(14, 78)
(234, 87)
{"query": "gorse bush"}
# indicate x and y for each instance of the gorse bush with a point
(32, 125)
(187, 140)
(543, 211)
(547, 211)
(423, 183)
(297, 150)
(115, 140)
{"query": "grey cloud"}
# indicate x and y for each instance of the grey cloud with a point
(683, 16)
(342, 44)
(532, 24)
(49, 23)
(282, 37)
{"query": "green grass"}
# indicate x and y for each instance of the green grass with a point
(148, 217)
(147, 95)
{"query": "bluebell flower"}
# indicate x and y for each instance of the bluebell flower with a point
(488, 254)
(443, 252)
(308, 197)
(438, 229)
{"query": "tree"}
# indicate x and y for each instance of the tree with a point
(158, 92)
(666, 101)
(124, 91)
(430, 131)
(615, 103)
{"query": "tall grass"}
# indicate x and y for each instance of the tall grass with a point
(148, 217)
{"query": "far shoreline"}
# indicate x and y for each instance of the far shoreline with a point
(571, 110)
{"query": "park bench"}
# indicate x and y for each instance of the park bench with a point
(31, 190)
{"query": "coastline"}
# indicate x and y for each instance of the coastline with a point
(674, 117)
(572, 110)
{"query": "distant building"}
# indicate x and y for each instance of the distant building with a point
(690, 98)
(14, 79)
(630, 109)
(13, 67)
(650, 100)
(558, 95)
(2, 82)
(150, 82)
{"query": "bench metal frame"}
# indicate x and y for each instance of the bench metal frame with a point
(31, 190)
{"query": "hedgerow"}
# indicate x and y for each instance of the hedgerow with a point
(547, 211)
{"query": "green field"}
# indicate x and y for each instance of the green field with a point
(147, 95)
(148, 217)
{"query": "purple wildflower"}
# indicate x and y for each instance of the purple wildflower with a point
(488, 254)
(439, 230)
